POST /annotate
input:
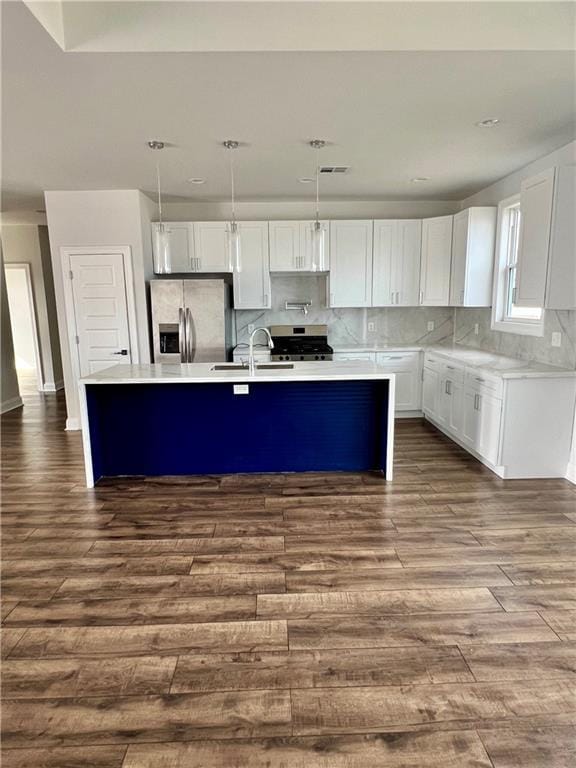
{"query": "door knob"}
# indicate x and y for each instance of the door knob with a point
(122, 352)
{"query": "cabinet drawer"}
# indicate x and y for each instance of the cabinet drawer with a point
(433, 363)
(365, 357)
(484, 383)
(455, 373)
(398, 359)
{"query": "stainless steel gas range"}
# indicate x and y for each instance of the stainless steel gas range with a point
(300, 342)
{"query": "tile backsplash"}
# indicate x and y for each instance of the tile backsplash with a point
(408, 325)
(538, 348)
(348, 327)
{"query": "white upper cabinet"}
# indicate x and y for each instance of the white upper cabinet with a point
(211, 246)
(473, 239)
(180, 254)
(436, 261)
(536, 198)
(561, 289)
(396, 263)
(350, 281)
(291, 246)
(252, 283)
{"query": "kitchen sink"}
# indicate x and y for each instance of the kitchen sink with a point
(229, 367)
(269, 366)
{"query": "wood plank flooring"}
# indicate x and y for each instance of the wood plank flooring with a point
(284, 621)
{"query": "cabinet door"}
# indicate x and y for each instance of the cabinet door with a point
(459, 254)
(561, 289)
(350, 282)
(436, 261)
(252, 283)
(456, 410)
(385, 237)
(307, 248)
(285, 250)
(471, 418)
(536, 196)
(211, 239)
(406, 367)
(490, 409)
(430, 387)
(406, 262)
(180, 248)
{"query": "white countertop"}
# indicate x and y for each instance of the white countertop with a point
(202, 373)
(486, 362)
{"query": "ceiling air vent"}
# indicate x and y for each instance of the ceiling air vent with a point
(334, 169)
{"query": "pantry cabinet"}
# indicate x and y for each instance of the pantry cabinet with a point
(436, 261)
(291, 246)
(350, 277)
(473, 240)
(396, 262)
(252, 282)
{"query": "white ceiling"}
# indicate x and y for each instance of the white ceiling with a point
(81, 120)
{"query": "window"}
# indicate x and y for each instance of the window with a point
(506, 314)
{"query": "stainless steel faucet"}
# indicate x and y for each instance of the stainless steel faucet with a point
(251, 365)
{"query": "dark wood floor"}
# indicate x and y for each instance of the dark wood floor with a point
(303, 621)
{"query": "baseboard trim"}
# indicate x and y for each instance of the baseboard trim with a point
(72, 425)
(408, 414)
(12, 404)
(53, 386)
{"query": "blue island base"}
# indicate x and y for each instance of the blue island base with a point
(191, 429)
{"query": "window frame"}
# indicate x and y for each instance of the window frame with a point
(501, 320)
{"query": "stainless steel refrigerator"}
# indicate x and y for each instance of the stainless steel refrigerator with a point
(192, 321)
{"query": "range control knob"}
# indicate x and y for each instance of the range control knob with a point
(301, 357)
(322, 357)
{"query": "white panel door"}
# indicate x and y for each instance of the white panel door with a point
(406, 262)
(211, 245)
(436, 261)
(350, 282)
(383, 290)
(252, 284)
(285, 246)
(536, 197)
(100, 310)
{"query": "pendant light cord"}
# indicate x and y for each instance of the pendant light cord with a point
(159, 192)
(317, 186)
(232, 188)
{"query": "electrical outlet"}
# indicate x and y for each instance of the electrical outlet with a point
(430, 325)
(250, 327)
(371, 327)
(476, 329)
(556, 339)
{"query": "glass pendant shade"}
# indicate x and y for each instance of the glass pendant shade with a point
(234, 249)
(318, 247)
(162, 259)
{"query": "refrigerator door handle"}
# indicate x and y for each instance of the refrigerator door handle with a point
(181, 335)
(190, 351)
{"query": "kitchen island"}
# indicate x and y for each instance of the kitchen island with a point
(195, 419)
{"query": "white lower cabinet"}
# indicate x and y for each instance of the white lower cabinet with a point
(519, 427)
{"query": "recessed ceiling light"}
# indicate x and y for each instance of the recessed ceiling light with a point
(196, 180)
(489, 122)
(420, 179)
(306, 180)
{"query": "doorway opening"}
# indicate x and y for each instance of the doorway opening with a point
(24, 326)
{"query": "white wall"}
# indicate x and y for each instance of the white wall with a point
(331, 209)
(9, 392)
(28, 244)
(21, 318)
(99, 218)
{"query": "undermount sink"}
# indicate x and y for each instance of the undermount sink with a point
(259, 366)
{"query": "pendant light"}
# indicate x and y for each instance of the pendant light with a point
(162, 263)
(234, 255)
(318, 231)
